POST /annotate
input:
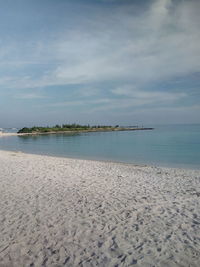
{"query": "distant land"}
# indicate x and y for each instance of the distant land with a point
(77, 128)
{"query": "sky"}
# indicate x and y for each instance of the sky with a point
(126, 62)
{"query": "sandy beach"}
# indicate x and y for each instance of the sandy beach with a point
(69, 212)
(7, 134)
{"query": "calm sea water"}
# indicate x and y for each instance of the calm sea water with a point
(172, 146)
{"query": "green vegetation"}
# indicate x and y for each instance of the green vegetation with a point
(77, 128)
(64, 128)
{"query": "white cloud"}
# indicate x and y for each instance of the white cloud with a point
(155, 96)
(159, 13)
(29, 96)
(130, 97)
(158, 44)
(147, 52)
(122, 47)
(118, 60)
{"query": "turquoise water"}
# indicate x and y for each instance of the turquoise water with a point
(173, 146)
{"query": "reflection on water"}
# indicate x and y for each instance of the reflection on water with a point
(166, 146)
(46, 136)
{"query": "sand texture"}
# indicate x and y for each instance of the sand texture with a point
(7, 134)
(68, 212)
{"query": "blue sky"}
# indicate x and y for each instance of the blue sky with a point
(105, 61)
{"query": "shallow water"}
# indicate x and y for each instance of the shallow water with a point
(171, 145)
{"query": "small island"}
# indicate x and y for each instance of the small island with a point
(69, 128)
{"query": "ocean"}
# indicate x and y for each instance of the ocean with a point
(167, 146)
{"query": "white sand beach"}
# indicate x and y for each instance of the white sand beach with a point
(69, 212)
(2, 134)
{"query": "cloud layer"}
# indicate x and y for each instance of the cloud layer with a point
(128, 55)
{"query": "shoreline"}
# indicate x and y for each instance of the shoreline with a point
(69, 212)
(137, 164)
(2, 134)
